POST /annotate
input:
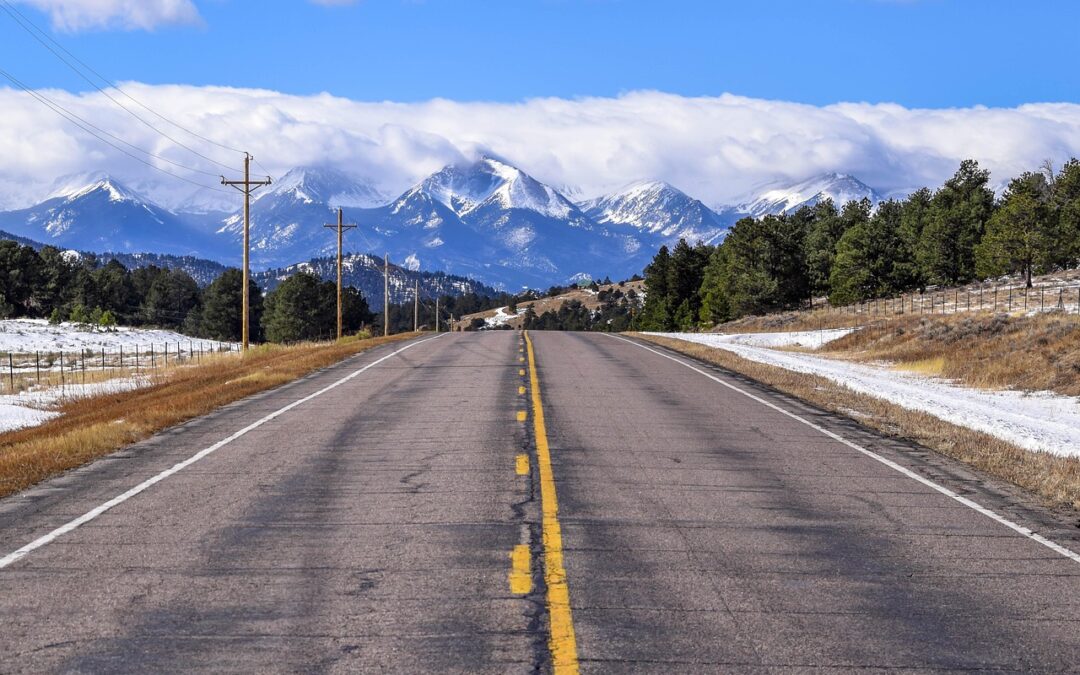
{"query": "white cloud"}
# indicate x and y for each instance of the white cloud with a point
(79, 15)
(715, 148)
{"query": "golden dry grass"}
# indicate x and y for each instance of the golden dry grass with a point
(95, 426)
(791, 321)
(990, 351)
(1055, 479)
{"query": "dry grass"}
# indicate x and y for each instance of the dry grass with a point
(990, 351)
(92, 427)
(1055, 479)
(791, 321)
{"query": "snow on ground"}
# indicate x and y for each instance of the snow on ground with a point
(36, 406)
(501, 316)
(31, 335)
(1036, 421)
(810, 338)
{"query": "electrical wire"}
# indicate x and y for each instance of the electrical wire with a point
(87, 122)
(30, 28)
(90, 129)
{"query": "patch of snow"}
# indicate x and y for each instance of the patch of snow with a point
(35, 406)
(38, 335)
(1040, 421)
(501, 316)
(809, 338)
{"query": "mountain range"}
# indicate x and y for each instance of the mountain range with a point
(487, 220)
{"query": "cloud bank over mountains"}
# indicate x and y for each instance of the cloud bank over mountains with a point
(715, 148)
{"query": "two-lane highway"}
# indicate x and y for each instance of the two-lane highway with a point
(473, 503)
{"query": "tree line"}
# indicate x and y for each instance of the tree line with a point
(954, 235)
(59, 286)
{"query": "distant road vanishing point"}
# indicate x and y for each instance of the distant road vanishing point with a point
(553, 502)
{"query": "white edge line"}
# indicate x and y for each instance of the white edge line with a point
(120, 499)
(1053, 546)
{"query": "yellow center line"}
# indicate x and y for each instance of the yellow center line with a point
(562, 643)
(520, 575)
(522, 465)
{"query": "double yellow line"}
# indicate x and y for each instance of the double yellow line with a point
(562, 643)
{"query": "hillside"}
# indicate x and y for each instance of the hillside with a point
(501, 318)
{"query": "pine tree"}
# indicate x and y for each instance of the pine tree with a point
(1065, 205)
(913, 219)
(872, 258)
(824, 231)
(714, 302)
(171, 297)
(355, 311)
(221, 309)
(958, 215)
(20, 276)
(301, 308)
(1022, 234)
(657, 312)
(686, 272)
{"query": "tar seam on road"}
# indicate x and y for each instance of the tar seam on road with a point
(120, 499)
(562, 643)
(1030, 534)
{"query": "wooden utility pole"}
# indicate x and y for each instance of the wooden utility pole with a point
(416, 306)
(386, 295)
(341, 227)
(246, 186)
(436, 313)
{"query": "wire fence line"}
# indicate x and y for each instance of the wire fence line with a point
(1009, 298)
(20, 370)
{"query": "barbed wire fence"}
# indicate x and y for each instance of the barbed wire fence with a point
(1008, 298)
(75, 369)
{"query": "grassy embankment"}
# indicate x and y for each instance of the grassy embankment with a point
(1025, 353)
(95, 426)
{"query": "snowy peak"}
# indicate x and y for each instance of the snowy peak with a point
(324, 185)
(839, 187)
(657, 208)
(75, 188)
(491, 182)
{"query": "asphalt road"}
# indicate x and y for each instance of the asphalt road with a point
(420, 516)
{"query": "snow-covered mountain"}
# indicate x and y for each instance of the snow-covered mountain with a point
(104, 215)
(326, 186)
(487, 220)
(491, 183)
(656, 208)
(839, 187)
(492, 221)
(287, 217)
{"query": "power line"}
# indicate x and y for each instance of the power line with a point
(34, 31)
(89, 128)
(261, 166)
(87, 122)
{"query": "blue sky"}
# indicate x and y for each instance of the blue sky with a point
(919, 53)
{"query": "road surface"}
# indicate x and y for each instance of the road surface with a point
(466, 503)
